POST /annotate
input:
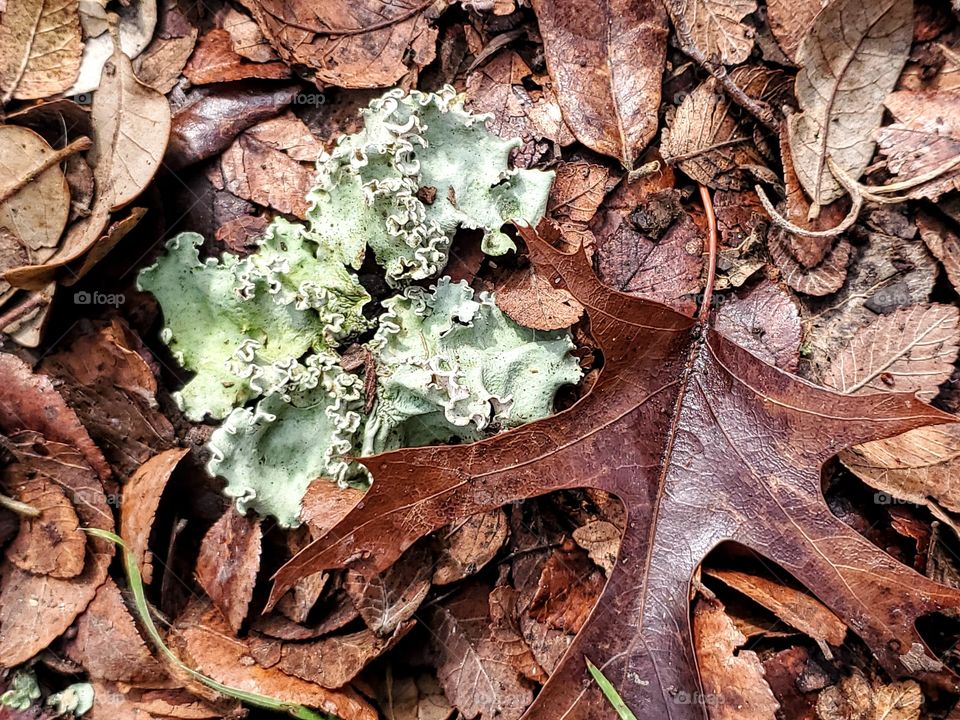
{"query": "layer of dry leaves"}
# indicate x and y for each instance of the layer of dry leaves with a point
(748, 519)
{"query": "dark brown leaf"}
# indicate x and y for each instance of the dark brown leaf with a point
(569, 585)
(228, 563)
(468, 546)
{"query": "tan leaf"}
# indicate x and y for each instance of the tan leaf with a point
(505, 632)
(606, 58)
(533, 302)
(53, 543)
(795, 607)
(161, 64)
(141, 498)
(40, 48)
(36, 609)
(717, 28)
(601, 540)
(823, 279)
(411, 698)
(708, 140)
(107, 643)
(734, 687)
(118, 700)
(910, 350)
(790, 20)
(349, 43)
(205, 642)
(288, 134)
(228, 563)
(855, 697)
(468, 546)
(131, 126)
(389, 599)
(926, 135)
(253, 170)
(843, 81)
(943, 242)
(247, 38)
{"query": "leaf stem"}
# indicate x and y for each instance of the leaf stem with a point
(704, 313)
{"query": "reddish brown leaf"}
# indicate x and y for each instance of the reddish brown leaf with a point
(141, 498)
(535, 303)
(943, 242)
(733, 683)
(794, 677)
(108, 645)
(391, 598)
(36, 609)
(412, 698)
(253, 170)
(568, 587)
(711, 445)
(606, 58)
(205, 642)
(215, 60)
(505, 631)
(53, 543)
(470, 545)
(228, 563)
(325, 504)
(118, 700)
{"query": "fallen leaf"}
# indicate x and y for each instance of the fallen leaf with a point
(29, 401)
(710, 142)
(533, 302)
(141, 498)
(36, 609)
(793, 676)
(505, 632)
(790, 21)
(107, 643)
(688, 400)
(350, 43)
(469, 546)
(335, 612)
(52, 543)
(389, 599)
(765, 320)
(205, 643)
(795, 607)
(606, 58)
(718, 30)
(578, 189)
(841, 86)
(118, 700)
(288, 134)
(246, 37)
(601, 540)
(476, 677)
(228, 562)
(856, 698)
(113, 390)
(924, 137)
(215, 60)
(31, 317)
(206, 125)
(325, 504)
(40, 48)
(569, 585)
(943, 242)
(411, 698)
(161, 65)
(910, 350)
(823, 279)
(734, 687)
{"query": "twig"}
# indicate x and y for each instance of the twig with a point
(760, 110)
(33, 301)
(20, 508)
(54, 158)
(704, 313)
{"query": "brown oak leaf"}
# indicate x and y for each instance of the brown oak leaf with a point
(703, 443)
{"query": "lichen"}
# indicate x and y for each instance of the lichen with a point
(421, 168)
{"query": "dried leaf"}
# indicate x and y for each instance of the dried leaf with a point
(53, 543)
(606, 58)
(569, 585)
(412, 698)
(534, 303)
(39, 48)
(943, 242)
(388, 600)
(718, 30)
(253, 170)
(205, 643)
(228, 563)
(734, 687)
(688, 400)
(215, 60)
(764, 320)
(288, 134)
(790, 21)
(823, 279)
(246, 37)
(36, 609)
(141, 498)
(842, 83)
(107, 643)
(467, 547)
(856, 698)
(601, 540)
(161, 64)
(795, 607)
(350, 43)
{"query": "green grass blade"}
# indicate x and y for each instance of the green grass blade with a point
(610, 692)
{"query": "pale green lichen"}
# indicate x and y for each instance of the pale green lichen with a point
(421, 168)
(22, 691)
(75, 700)
(236, 323)
(450, 365)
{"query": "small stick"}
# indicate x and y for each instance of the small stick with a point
(54, 158)
(704, 313)
(20, 508)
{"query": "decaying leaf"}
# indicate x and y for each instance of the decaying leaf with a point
(569, 583)
(842, 83)
(228, 563)
(412, 698)
(606, 59)
(733, 679)
(790, 20)
(711, 445)
(39, 48)
(215, 60)
(766, 321)
(350, 43)
(718, 30)
(533, 302)
(862, 699)
(943, 242)
(470, 545)
(823, 279)
(390, 599)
